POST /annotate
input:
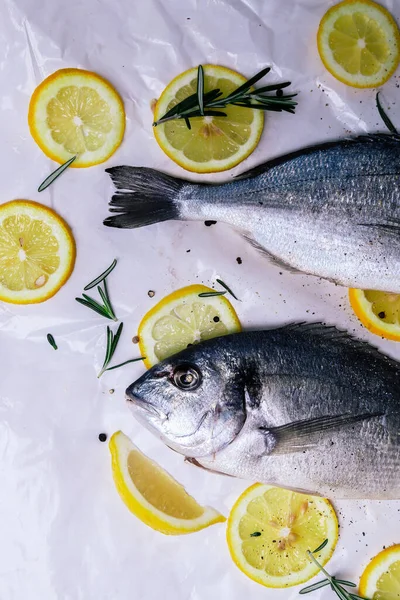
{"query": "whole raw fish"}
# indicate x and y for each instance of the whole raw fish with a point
(331, 210)
(304, 406)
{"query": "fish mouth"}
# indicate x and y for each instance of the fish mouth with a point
(145, 406)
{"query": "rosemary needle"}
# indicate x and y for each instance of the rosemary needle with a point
(384, 116)
(49, 180)
(52, 341)
(100, 278)
(209, 294)
(228, 289)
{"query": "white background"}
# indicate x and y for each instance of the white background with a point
(65, 534)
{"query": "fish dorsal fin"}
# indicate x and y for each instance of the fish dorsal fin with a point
(375, 137)
(300, 435)
(330, 333)
(368, 138)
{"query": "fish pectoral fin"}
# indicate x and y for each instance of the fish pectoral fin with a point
(391, 226)
(301, 435)
(274, 260)
(195, 463)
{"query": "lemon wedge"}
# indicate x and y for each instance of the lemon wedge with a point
(381, 578)
(379, 312)
(76, 112)
(184, 318)
(359, 43)
(213, 143)
(153, 495)
(37, 252)
(270, 530)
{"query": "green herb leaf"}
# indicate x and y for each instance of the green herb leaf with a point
(255, 534)
(116, 340)
(200, 89)
(209, 294)
(93, 306)
(344, 582)
(112, 341)
(249, 83)
(321, 547)
(315, 586)
(100, 278)
(132, 360)
(49, 180)
(384, 116)
(52, 341)
(228, 289)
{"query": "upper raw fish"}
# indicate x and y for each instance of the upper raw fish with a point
(331, 210)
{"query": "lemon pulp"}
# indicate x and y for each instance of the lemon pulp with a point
(152, 495)
(271, 529)
(160, 490)
(28, 253)
(79, 119)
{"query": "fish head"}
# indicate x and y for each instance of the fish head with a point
(192, 401)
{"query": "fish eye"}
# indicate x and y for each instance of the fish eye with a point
(186, 377)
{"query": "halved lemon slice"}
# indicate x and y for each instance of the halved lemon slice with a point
(153, 495)
(182, 319)
(270, 530)
(76, 112)
(359, 43)
(37, 252)
(213, 143)
(379, 312)
(381, 578)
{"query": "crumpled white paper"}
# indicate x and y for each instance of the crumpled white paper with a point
(65, 533)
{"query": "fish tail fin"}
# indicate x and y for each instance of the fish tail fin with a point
(143, 196)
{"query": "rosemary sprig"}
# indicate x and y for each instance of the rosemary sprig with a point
(384, 116)
(203, 104)
(336, 584)
(105, 310)
(112, 342)
(49, 180)
(52, 341)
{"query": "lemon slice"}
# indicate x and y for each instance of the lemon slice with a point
(381, 578)
(270, 530)
(379, 312)
(359, 43)
(76, 112)
(37, 252)
(153, 495)
(182, 319)
(213, 143)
